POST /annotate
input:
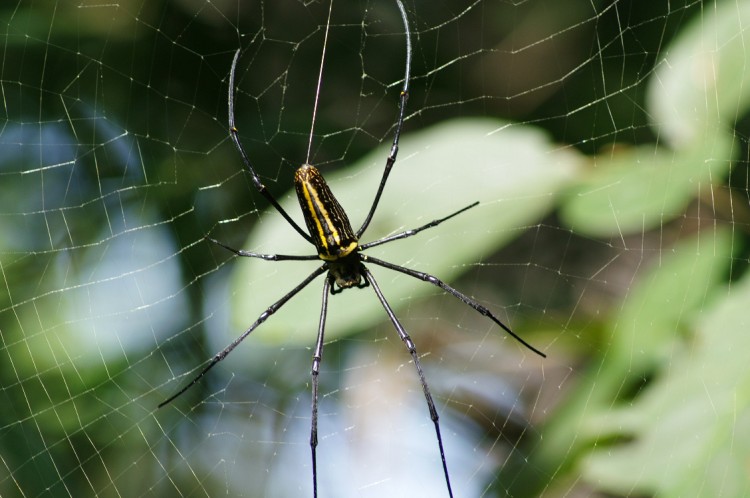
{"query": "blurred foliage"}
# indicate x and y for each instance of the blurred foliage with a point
(605, 142)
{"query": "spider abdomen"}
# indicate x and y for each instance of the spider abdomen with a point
(326, 220)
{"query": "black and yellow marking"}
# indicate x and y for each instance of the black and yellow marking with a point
(344, 264)
(326, 220)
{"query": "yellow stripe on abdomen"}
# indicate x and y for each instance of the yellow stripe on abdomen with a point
(326, 220)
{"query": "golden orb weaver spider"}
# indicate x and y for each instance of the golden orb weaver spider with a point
(337, 245)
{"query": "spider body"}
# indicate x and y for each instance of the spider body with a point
(330, 230)
(326, 220)
(337, 245)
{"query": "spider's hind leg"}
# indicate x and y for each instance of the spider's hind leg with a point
(409, 343)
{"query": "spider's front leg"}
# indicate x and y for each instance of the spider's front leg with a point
(267, 257)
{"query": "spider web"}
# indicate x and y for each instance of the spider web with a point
(606, 144)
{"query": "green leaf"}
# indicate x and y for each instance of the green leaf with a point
(694, 98)
(646, 334)
(514, 171)
(688, 431)
(703, 80)
(640, 188)
(662, 302)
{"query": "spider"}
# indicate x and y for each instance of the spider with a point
(338, 246)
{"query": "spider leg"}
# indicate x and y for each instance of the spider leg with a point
(267, 257)
(234, 134)
(415, 358)
(262, 318)
(461, 296)
(399, 122)
(414, 231)
(317, 358)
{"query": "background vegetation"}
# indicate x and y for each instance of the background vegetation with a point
(605, 141)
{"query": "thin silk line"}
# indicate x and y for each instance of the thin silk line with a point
(320, 81)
